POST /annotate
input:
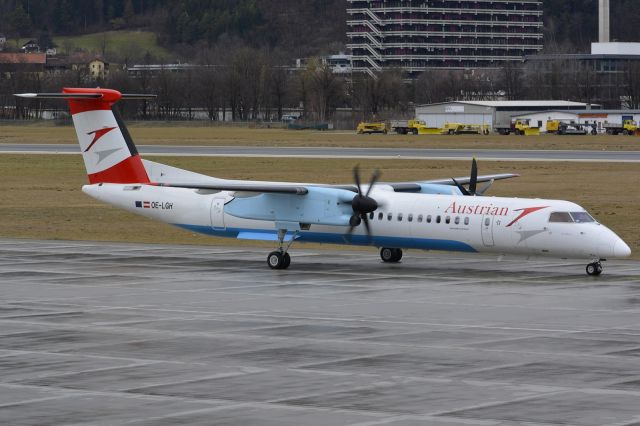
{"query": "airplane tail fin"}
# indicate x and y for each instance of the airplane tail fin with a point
(109, 153)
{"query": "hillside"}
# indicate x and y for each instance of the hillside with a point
(295, 27)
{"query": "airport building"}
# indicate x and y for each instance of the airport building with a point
(456, 34)
(493, 113)
(595, 118)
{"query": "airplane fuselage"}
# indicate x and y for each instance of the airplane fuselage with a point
(411, 221)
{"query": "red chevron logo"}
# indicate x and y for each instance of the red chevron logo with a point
(97, 134)
(525, 212)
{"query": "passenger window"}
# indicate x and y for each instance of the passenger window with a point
(447, 220)
(420, 218)
(399, 217)
(380, 216)
(438, 219)
(410, 217)
(466, 220)
(429, 219)
(371, 215)
(582, 217)
(560, 217)
(457, 221)
(487, 222)
(390, 216)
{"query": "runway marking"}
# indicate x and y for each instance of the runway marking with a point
(355, 157)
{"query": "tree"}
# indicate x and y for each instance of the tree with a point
(631, 90)
(324, 89)
(512, 80)
(18, 22)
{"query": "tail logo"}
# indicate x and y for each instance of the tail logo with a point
(97, 134)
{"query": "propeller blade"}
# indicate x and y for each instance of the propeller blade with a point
(473, 182)
(347, 236)
(374, 179)
(461, 188)
(365, 219)
(484, 188)
(356, 178)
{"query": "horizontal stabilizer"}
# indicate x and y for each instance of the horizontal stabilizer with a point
(78, 96)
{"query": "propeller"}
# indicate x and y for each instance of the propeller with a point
(362, 204)
(473, 182)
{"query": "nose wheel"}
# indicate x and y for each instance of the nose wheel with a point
(594, 269)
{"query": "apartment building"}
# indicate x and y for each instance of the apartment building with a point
(415, 35)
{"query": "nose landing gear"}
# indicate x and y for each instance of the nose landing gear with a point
(594, 268)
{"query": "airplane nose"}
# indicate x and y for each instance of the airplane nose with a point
(621, 249)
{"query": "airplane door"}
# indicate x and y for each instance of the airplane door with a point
(487, 231)
(217, 213)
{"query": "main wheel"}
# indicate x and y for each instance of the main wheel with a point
(398, 255)
(275, 260)
(286, 261)
(390, 255)
(594, 269)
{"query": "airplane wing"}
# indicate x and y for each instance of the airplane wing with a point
(298, 189)
(417, 186)
(259, 188)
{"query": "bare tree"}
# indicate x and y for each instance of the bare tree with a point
(631, 90)
(512, 80)
(324, 89)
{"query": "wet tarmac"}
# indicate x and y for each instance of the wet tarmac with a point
(130, 334)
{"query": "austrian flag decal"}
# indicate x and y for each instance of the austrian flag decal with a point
(143, 204)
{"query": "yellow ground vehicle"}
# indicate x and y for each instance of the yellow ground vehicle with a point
(553, 126)
(628, 127)
(368, 128)
(414, 126)
(523, 127)
(465, 129)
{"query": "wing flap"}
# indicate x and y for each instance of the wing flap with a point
(259, 188)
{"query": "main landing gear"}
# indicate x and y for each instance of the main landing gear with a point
(390, 255)
(594, 268)
(280, 259)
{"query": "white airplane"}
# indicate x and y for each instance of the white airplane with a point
(427, 215)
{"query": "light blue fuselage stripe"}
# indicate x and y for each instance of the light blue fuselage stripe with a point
(332, 238)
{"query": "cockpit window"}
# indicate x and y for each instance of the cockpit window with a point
(560, 217)
(582, 217)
